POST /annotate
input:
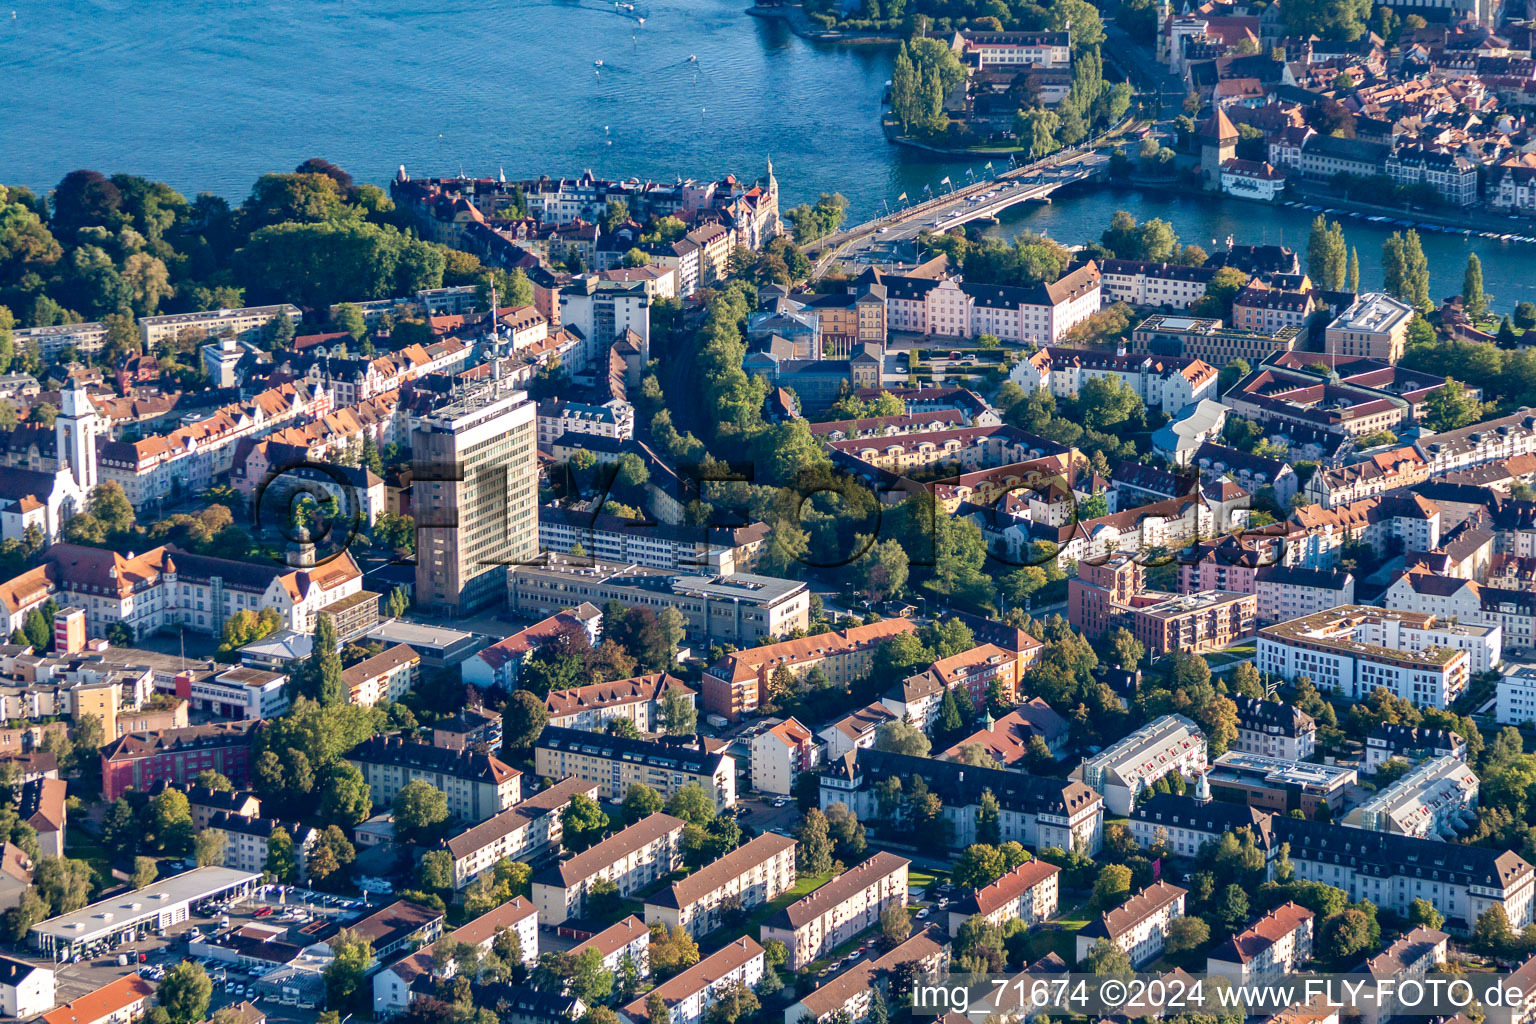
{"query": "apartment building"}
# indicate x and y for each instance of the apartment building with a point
(387, 676)
(689, 995)
(615, 763)
(1435, 800)
(1210, 340)
(977, 671)
(922, 957)
(1389, 870)
(500, 664)
(1356, 649)
(1516, 700)
(842, 908)
(1168, 383)
(1411, 958)
(638, 700)
(126, 999)
(140, 760)
(1146, 283)
(1279, 943)
(474, 496)
(749, 876)
(630, 938)
(1035, 811)
(393, 985)
(1139, 926)
(528, 831)
(477, 785)
(250, 323)
(1194, 623)
(856, 731)
(1368, 477)
(26, 989)
(247, 839)
(780, 754)
(631, 859)
(737, 684)
(86, 338)
(1273, 728)
(1410, 743)
(1259, 308)
(1121, 771)
(734, 609)
(659, 545)
(1029, 893)
(1013, 50)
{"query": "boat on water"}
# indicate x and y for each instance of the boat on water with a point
(693, 58)
(597, 63)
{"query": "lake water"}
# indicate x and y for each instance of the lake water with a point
(208, 94)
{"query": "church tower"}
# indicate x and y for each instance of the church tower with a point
(76, 429)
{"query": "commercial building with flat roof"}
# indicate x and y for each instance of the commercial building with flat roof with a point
(1376, 327)
(134, 915)
(1278, 784)
(738, 609)
(1194, 623)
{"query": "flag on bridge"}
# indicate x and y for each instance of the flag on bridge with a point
(901, 197)
(946, 181)
(989, 165)
(927, 188)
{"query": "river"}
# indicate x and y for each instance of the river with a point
(208, 94)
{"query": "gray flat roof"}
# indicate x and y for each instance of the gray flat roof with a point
(437, 638)
(119, 912)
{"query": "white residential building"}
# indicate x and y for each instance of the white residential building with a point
(1139, 926)
(1121, 771)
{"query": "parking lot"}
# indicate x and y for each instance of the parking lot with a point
(276, 906)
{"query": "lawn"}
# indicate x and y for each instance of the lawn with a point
(1061, 939)
(81, 845)
(753, 921)
(918, 879)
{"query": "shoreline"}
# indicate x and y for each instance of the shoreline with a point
(793, 16)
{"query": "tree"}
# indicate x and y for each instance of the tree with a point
(1327, 255)
(145, 871)
(349, 317)
(815, 843)
(346, 973)
(979, 865)
(435, 872)
(590, 980)
(1330, 20)
(523, 720)
(902, 738)
(1452, 406)
(346, 799)
(1187, 932)
(208, 847)
(582, 823)
(1492, 933)
(331, 690)
(1232, 907)
(1472, 298)
(282, 864)
(169, 817)
(1107, 958)
(692, 803)
(656, 1009)
(1405, 269)
(1220, 290)
(1347, 935)
(185, 992)
(679, 717)
(1112, 886)
(1422, 912)
(641, 801)
(419, 809)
